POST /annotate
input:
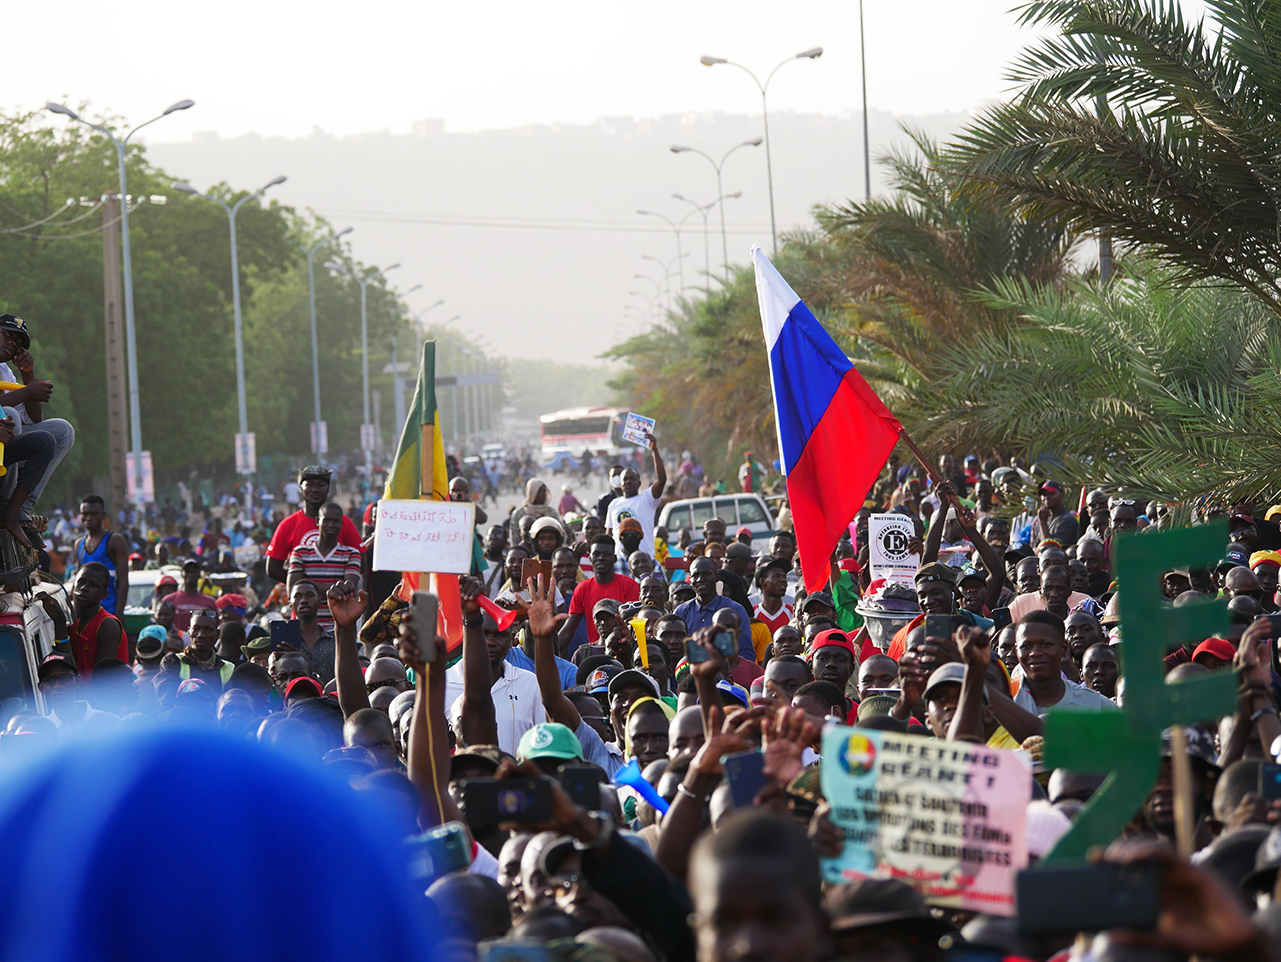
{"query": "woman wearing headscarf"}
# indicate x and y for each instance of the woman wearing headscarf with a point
(537, 504)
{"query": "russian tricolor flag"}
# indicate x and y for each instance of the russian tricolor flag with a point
(834, 433)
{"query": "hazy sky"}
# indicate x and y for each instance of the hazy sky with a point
(275, 68)
(281, 68)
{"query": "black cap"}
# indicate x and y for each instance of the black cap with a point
(16, 325)
(314, 471)
(53, 662)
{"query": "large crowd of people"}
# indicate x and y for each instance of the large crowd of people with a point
(560, 776)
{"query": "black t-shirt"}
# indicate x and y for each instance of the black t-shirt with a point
(1269, 535)
(734, 588)
(602, 503)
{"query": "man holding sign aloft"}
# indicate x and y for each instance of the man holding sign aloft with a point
(637, 503)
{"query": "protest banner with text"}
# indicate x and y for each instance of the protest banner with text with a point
(948, 818)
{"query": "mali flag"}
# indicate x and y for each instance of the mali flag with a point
(418, 472)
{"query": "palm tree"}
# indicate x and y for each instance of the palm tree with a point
(902, 271)
(1170, 393)
(1138, 124)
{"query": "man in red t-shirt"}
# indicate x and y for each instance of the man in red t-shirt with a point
(189, 597)
(314, 482)
(95, 635)
(604, 583)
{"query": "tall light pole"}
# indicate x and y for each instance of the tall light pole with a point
(703, 209)
(131, 343)
(812, 54)
(320, 443)
(232, 210)
(658, 293)
(667, 273)
(720, 191)
(677, 231)
(366, 429)
(397, 389)
(649, 300)
(867, 158)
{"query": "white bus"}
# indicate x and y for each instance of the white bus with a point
(569, 432)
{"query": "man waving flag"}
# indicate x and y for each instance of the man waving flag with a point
(834, 433)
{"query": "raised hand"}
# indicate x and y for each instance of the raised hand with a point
(407, 645)
(715, 666)
(787, 734)
(724, 741)
(469, 589)
(542, 610)
(976, 648)
(346, 603)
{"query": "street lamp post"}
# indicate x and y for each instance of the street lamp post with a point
(720, 191)
(397, 386)
(812, 54)
(321, 446)
(677, 231)
(232, 210)
(366, 441)
(131, 344)
(649, 300)
(703, 209)
(667, 273)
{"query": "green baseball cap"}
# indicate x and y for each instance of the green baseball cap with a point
(549, 740)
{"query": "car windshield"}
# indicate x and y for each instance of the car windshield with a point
(749, 512)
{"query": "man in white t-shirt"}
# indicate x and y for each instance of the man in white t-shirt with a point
(637, 503)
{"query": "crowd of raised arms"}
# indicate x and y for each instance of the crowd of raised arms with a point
(286, 724)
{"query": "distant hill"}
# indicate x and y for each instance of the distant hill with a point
(531, 234)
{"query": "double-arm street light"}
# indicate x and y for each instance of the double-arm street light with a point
(366, 428)
(812, 54)
(677, 231)
(703, 209)
(720, 191)
(232, 210)
(131, 343)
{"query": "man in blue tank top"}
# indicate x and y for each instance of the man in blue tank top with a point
(107, 548)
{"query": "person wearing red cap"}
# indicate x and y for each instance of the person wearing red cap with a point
(1214, 653)
(833, 658)
(1054, 520)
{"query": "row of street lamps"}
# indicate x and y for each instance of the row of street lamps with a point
(812, 54)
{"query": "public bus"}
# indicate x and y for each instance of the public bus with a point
(571, 431)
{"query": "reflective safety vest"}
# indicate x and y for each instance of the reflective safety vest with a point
(224, 671)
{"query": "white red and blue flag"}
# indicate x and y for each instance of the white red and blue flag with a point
(834, 433)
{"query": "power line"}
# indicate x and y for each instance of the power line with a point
(515, 223)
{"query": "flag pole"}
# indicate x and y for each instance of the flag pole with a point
(906, 438)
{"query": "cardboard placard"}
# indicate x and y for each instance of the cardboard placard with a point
(948, 818)
(424, 536)
(888, 536)
(636, 427)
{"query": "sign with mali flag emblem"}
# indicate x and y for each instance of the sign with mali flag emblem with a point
(419, 472)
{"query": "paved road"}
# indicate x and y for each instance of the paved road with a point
(509, 500)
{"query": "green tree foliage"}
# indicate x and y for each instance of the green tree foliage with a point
(1170, 392)
(52, 275)
(1160, 132)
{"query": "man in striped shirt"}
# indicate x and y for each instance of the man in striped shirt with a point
(321, 560)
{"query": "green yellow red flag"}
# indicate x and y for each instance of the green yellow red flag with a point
(418, 472)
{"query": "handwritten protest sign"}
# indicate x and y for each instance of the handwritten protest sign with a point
(636, 427)
(887, 537)
(424, 536)
(948, 818)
